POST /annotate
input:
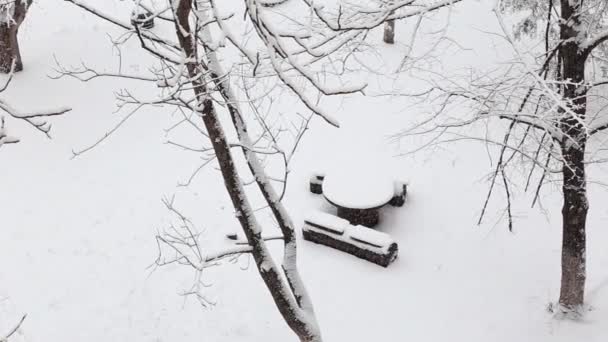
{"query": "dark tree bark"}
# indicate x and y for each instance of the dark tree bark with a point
(9, 30)
(284, 300)
(575, 206)
(389, 31)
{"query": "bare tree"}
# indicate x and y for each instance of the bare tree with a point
(12, 15)
(37, 118)
(553, 113)
(302, 51)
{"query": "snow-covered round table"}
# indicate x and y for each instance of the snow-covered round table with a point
(359, 193)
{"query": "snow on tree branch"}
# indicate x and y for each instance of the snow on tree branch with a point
(287, 46)
(180, 244)
(6, 337)
(36, 118)
(595, 41)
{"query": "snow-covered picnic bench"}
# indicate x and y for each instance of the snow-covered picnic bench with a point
(358, 197)
(142, 18)
(360, 241)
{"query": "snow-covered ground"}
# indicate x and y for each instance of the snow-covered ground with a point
(77, 236)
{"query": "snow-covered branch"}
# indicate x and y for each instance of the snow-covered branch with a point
(6, 337)
(590, 44)
(36, 118)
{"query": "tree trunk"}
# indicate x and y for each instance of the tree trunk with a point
(297, 319)
(273, 200)
(9, 44)
(9, 49)
(575, 206)
(574, 215)
(389, 31)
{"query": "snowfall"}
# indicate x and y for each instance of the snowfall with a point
(78, 234)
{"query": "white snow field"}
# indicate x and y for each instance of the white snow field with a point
(78, 235)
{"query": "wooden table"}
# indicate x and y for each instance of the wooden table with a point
(359, 194)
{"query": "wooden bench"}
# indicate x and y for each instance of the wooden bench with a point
(360, 241)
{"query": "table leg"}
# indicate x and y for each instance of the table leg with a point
(364, 217)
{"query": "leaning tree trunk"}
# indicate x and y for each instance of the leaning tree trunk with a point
(273, 200)
(10, 55)
(575, 206)
(301, 322)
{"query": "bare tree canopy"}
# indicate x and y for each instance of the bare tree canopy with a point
(302, 49)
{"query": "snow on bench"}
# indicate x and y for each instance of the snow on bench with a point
(327, 222)
(369, 236)
(360, 188)
(360, 241)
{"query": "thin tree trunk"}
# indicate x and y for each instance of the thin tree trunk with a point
(284, 221)
(10, 55)
(389, 31)
(575, 206)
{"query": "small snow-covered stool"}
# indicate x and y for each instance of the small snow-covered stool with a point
(360, 241)
(398, 199)
(316, 183)
(143, 20)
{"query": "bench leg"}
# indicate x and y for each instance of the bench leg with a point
(399, 199)
(316, 188)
